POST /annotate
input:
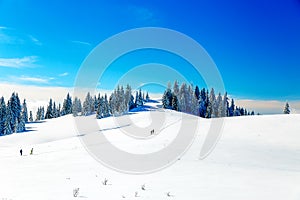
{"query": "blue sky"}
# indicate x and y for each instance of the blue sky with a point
(255, 44)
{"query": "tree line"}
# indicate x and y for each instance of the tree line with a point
(200, 102)
(119, 102)
(14, 115)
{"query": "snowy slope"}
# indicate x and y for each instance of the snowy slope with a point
(257, 157)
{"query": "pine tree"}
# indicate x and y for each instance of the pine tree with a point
(202, 103)
(176, 88)
(42, 113)
(67, 105)
(175, 103)
(225, 111)
(113, 103)
(123, 105)
(2, 115)
(25, 113)
(197, 92)
(76, 107)
(167, 99)
(88, 105)
(38, 114)
(106, 108)
(213, 104)
(183, 98)
(7, 126)
(15, 107)
(208, 106)
(220, 106)
(140, 99)
(55, 112)
(129, 99)
(96, 102)
(100, 108)
(286, 109)
(231, 108)
(49, 112)
(21, 123)
(147, 97)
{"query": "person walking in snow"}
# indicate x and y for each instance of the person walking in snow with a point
(21, 152)
(31, 151)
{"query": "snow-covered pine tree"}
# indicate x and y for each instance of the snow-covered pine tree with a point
(208, 106)
(106, 108)
(113, 103)
(167, 99)
(231, 108)
(96, 102)
(286, 109)
(55, 112)
(88, 105)
(2, 115)
(194, 104)
(67, 105)
(136, 98)
(140, 99)
(21, 123)
(76, 107)
(122, 107)
(225, 111)
(176, 88)
(7, 126)
(49, 112)
(131, 102)
(100, 108)
(197, 92)
(213, 102)
(42, 113)
(202, 103)
(15, 107)
(183, 98)
(37, 117)
(25, 112)
(175, 103)
(147, 97)
(128, 95)
(220, 106)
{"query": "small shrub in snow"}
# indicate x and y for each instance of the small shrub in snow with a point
(75, 192)
(105, 182)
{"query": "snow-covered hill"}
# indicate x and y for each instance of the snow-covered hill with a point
(257, 157)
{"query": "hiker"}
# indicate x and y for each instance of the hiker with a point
(152, 132)
(21, 152)
(31, 151)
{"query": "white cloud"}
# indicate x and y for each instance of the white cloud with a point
(34, 40)
(34, 79)
(81, 42)
(64, 74)
(14, 37)
(27, 61)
